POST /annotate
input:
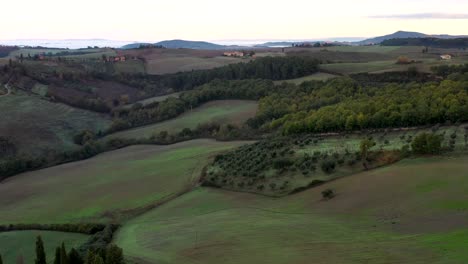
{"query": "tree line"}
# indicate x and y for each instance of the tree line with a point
(460, 43)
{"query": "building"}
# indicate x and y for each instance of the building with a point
(446, 57)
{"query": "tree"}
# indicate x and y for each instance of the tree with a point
(365, 146)
(427, 144)
(114, 255)
(328, 194)
(1, 261)
(40, 253)
(94, 258)
(74, 257)
(57, 256)
(63, 255)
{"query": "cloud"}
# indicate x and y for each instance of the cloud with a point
(423, 16)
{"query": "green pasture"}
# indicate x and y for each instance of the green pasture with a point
(223, 112)
(379, 216)
(36, 124)
(23, 243)
(320, 76)
(108, 186)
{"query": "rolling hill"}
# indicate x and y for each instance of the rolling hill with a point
(404, 34)
(183, 44)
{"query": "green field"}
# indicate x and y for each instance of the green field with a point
(107, 186)
(154, 99)
(320, 76)
(176, 63)
(15, 243)
(223, 112)
(411, 212)
(87, 53)
(35, 124)
(130, 66)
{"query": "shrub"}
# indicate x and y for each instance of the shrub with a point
(328, 166)
(282, 163)
(427, 144)
(328, 194)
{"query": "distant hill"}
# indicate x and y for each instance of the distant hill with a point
(183, 44)
(404, 35)
(458, 43)
(135, 45)
(186, 44)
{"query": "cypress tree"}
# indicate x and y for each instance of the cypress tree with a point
(57, 256)
(114, 255)
(63, 255)
(1, 261)
(74, 257)
(40, 253)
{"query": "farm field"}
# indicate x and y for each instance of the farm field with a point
(35, 124)
(108, 186)
(16, 243)
(222, 111)
(154, 99)
(176, 64)
(370, 67)
(320, 76)
(388, 215)
(273, 181)
(32, 52)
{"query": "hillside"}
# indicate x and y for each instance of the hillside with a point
(73, 192)
(183, 44)
(405, 213)
(403, 34)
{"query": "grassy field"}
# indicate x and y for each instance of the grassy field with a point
(154, 99)
(87, 53)
(130, 66)
(36, 124)
(272, 181)
(13, 244)
(424, 61)
(320, 76)
(106, 186)
(223, 111)
(187, 63)
(411, 212)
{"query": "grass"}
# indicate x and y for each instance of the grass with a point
(15, 243)
(278, 182)
(154, 99)
(223, 111)
(173, 64)
(320, 76)
(130, 66)
(375, 66)
(87, 53)
(107, 186)
(36, 124)
(376, 217)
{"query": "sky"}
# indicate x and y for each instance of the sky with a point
(155, 20)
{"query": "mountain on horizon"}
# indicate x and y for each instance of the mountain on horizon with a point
(181, 44)
(404, 34)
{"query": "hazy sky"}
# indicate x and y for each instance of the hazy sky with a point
(152, 20)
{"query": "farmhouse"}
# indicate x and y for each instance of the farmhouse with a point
(446, 57)
(234, 54)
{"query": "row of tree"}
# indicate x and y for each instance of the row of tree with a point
(461, 43)
(111, 255)
(344, 105)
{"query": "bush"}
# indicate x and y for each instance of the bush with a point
(328, 166)
(328, 194)
(427, 144)
(282, 163)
